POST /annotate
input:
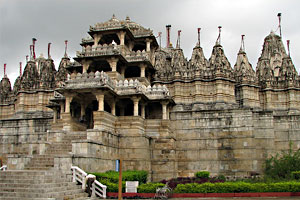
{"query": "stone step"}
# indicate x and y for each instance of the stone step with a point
(74, 193)
(40, 189)
(38, 168)
(47, 185)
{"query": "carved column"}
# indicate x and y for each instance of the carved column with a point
(85, 65)
(97, 38)
(143, 68)
(148, 45)
(143, 105)
(69, 99)
(82, 109)
(62, 107)
(55, 115)
(135, 105)
(121, 36)
(123, 68)
(113, 63)
(164, 109)
(100, 98)
(113, 107)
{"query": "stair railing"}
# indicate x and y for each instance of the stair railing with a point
(79, 175)
(3, 168)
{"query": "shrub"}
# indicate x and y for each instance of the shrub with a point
(282, 165)
(202, 174)
(149, 187)
(238, 187)
(113, 176)
(296, 175)
(112, 187)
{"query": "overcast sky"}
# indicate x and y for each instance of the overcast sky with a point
(58, 20)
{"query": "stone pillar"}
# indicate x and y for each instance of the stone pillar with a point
(148, 45)
(82, 109)
(135, 105)
(143, 105)
(113, 107)
(68, 102)
(85, 65)
(97, 38)
(143, 68)
(100, 98)
(113, 63)
(123, 68)
(62, 107)
(164, 109)
(121, 36)
(55, 115)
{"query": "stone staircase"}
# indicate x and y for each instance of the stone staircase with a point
(38, 185)
(39, 180)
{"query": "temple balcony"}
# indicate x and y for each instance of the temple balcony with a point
(100, 50)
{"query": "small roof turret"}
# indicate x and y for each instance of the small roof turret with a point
(243, 70)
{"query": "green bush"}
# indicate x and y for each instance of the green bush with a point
(238, 187)
(113, 176)
(282, 165)
(202, 174)
(296, 175)
(149, 187)
(112, 187)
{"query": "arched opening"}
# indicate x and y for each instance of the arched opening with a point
(132, 71)
(107, 39)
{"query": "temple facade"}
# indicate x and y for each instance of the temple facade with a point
(128, 98)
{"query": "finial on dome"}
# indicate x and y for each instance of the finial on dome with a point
(198, 44)
(66, 46)
(49, 56)
(279, 24)
(127, 18)
(218, 42)
(41, 55)
(242, 48)
(20, 69)
(5, 70)
(288, 46)
(178, 40)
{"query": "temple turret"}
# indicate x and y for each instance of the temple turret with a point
(219, 63)
(5, 90)
(30, 77)
(246, 89)
(276, 73)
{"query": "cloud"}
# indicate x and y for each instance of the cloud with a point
(57, 20)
